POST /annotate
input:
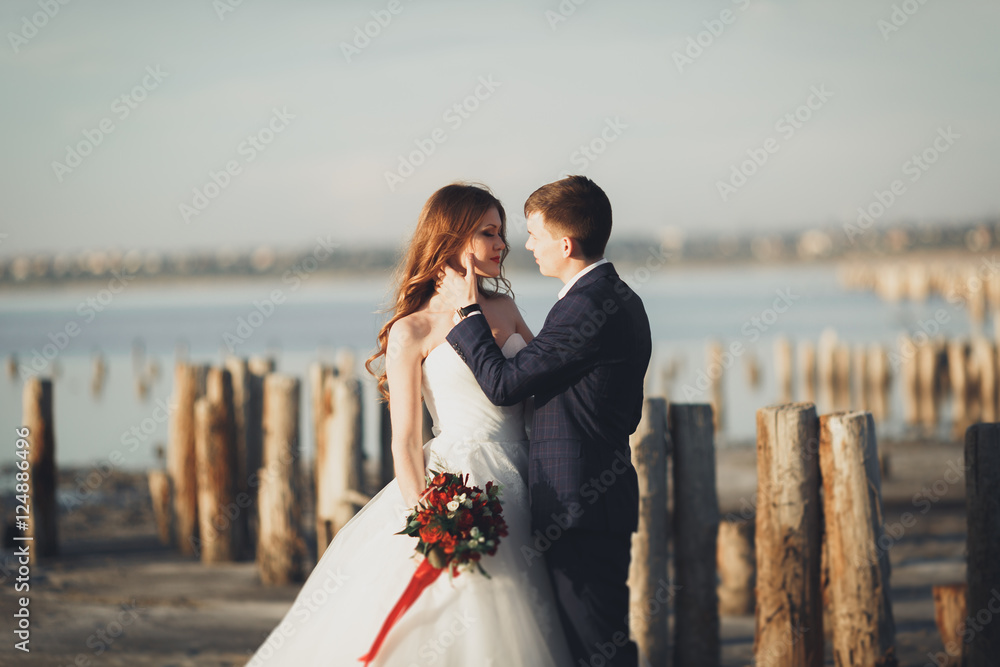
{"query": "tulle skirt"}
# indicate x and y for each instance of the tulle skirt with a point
(509, 619)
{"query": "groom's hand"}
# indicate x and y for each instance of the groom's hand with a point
(459, 290)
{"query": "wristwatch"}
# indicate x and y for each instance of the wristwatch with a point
(462, 313)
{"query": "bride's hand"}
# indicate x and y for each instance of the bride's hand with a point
(459, 290)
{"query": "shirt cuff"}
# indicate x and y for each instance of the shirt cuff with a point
(456, 319)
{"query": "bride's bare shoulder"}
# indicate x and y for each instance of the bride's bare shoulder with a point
(409, 333)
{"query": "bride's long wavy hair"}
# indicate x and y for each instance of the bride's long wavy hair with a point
(447, 223)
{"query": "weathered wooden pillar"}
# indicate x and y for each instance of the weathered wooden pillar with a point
(649, 591)
(216, 460)
(281, 549)
(339, 465)
(957, 354)
(387, 470)
(257, 370)
(949, 614)
(246, 493)
(807, 371)
(985, 359)
(861, 394)
(696, 526)
(788, 538)
(181, 463)
(826, 372)
(737, 567)
(715, 370)
(842, 376)
(160, 493)
(908, 380)
(783, 368)
(863, 627)
(927, 379)
(879, 381)
(982, 509)
(37, 417)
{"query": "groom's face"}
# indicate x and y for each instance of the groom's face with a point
(547, 249)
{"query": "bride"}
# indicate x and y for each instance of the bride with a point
(508, 619)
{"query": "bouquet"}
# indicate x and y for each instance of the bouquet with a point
(455, 524)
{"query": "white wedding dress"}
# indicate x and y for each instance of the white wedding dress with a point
(509, 620)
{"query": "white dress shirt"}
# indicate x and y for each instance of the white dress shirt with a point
(572, 281)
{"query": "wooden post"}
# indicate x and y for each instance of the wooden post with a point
(649, 591)
(181, 464)
(216, 461)
(787, 538)
(245, 491)
(696, 526)
(737, 567)
(842, 376)
(257, 370)
(385, 443)
(879, 381)
(985, 359)
(321, 407)
(927, 379)
(861, 388)
(982, 507)
(36, 416)
(949, 614)
(957, 354)
(339, 466)
(908, 380)
(159, 492)
(783, 368)
(826, 369)
(715, 371)
(807, 371)
(863, 627)
(281, 548)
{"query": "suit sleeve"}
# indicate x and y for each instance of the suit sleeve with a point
(565, 347)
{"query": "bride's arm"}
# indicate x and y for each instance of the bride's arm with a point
(520, 326)
(403, 359)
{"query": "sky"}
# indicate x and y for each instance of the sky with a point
(233, 124)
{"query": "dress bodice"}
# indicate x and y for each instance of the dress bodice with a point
(457, 404)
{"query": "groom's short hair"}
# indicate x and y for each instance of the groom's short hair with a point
(575, 207)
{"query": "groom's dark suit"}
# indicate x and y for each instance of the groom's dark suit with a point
(585, 369)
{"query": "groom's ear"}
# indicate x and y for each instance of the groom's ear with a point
(567, 246)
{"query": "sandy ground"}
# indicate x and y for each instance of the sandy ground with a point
(115, 596)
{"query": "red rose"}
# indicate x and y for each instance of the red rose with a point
(432, 534)
(448, 543)
(464, 520)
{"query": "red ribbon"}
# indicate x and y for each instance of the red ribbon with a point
(425, 575)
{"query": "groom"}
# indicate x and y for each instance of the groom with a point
(585, 369)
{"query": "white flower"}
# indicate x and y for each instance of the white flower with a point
(474, 532)
(453, 505)
(473, 543)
